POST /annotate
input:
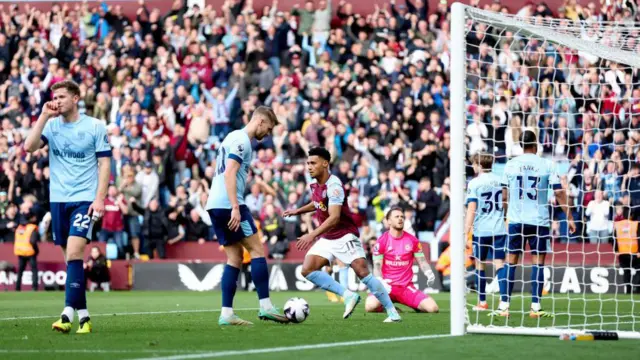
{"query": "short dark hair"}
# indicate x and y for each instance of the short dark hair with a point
(528, 139)
(320, 152)
(484, 160)
(69, 85)
(268, 113)
(393, 208)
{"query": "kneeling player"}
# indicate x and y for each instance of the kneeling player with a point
(393, 257)
(337, 237)
(489, 231)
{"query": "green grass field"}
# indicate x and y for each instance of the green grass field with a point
(183, 325)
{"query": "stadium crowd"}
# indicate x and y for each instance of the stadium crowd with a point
(372, 88)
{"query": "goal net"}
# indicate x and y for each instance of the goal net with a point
(576, 84)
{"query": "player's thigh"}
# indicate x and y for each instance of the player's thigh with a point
(254, 246)
(60, 223)
(313, 263)
(75, 248)
(539, 241)
(481, 246)
(348, 249)
(410, 296)
(499, 247)
(234, 254)
(428, 305)
(220, 223)
(515, 244)
(372, 304)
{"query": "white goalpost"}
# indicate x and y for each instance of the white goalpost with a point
(576, 85)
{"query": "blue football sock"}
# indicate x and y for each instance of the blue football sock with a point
(324, 281)
(343, 277)
(481, 282)
(502, 283)
(260, 276)
(511, 276)
(537, 282)
(378, 290)
(229, 283)
(74, 290)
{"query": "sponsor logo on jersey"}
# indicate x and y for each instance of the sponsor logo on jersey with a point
(67, 152)
(320, 205)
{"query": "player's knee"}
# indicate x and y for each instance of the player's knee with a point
(429, 306)
(360, 268)
(371, 305)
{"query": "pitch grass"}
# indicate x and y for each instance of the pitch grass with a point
(186, 323)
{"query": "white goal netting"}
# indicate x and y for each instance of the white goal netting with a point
(576, 84)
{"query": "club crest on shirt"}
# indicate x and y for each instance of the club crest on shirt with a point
(240, 148)
(407, 247)
(319, 205)
(80, 135)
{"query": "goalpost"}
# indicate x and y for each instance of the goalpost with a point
(561, 78)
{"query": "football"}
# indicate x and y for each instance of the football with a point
(296, 310)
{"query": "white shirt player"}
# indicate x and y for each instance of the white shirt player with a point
(486, 191)
(236, 146)
(528, 178)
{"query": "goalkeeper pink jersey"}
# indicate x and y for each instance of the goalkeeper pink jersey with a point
(397, 257)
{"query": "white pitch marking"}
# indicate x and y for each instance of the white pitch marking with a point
(292, 348)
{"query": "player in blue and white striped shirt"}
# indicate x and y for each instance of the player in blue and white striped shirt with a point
(80, 164)
(486, 219)
(232, 221)
(526, 182)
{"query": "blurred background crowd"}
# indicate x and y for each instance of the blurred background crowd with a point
(373, 88)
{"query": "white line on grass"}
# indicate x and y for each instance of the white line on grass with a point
(93, 351)
(124, 314)
(292, 348)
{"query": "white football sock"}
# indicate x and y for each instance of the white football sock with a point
(226, 312)
(347, 293)
(536, 306)
(265, 304)
(503, 305)
(83, 313)
(68, 311)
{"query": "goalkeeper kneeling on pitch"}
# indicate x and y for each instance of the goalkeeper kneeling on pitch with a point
(393, 256)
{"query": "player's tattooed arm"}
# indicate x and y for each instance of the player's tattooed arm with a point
(426, 269)
(377, 266)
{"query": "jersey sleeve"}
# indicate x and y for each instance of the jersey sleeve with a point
(335, 193)
(472, 196)
(554, 177)
(417, 248)
(46, 132)
(239, 149)
(103, 149)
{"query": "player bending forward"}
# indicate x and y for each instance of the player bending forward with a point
(337, 237)
(79, 160)
(232, 220)
(393, 257)
(526, 181)
(487, 225)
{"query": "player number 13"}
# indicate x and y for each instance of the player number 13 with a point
(532, 192)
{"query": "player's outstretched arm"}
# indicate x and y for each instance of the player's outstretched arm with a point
(33, 142)
(377, 265)
(303, 210)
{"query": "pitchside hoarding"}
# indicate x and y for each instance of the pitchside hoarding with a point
(207, 276)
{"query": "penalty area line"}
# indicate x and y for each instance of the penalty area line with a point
(217, 354)
(94, 351)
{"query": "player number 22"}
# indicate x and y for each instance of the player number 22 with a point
(81, 221)
(532, 192)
